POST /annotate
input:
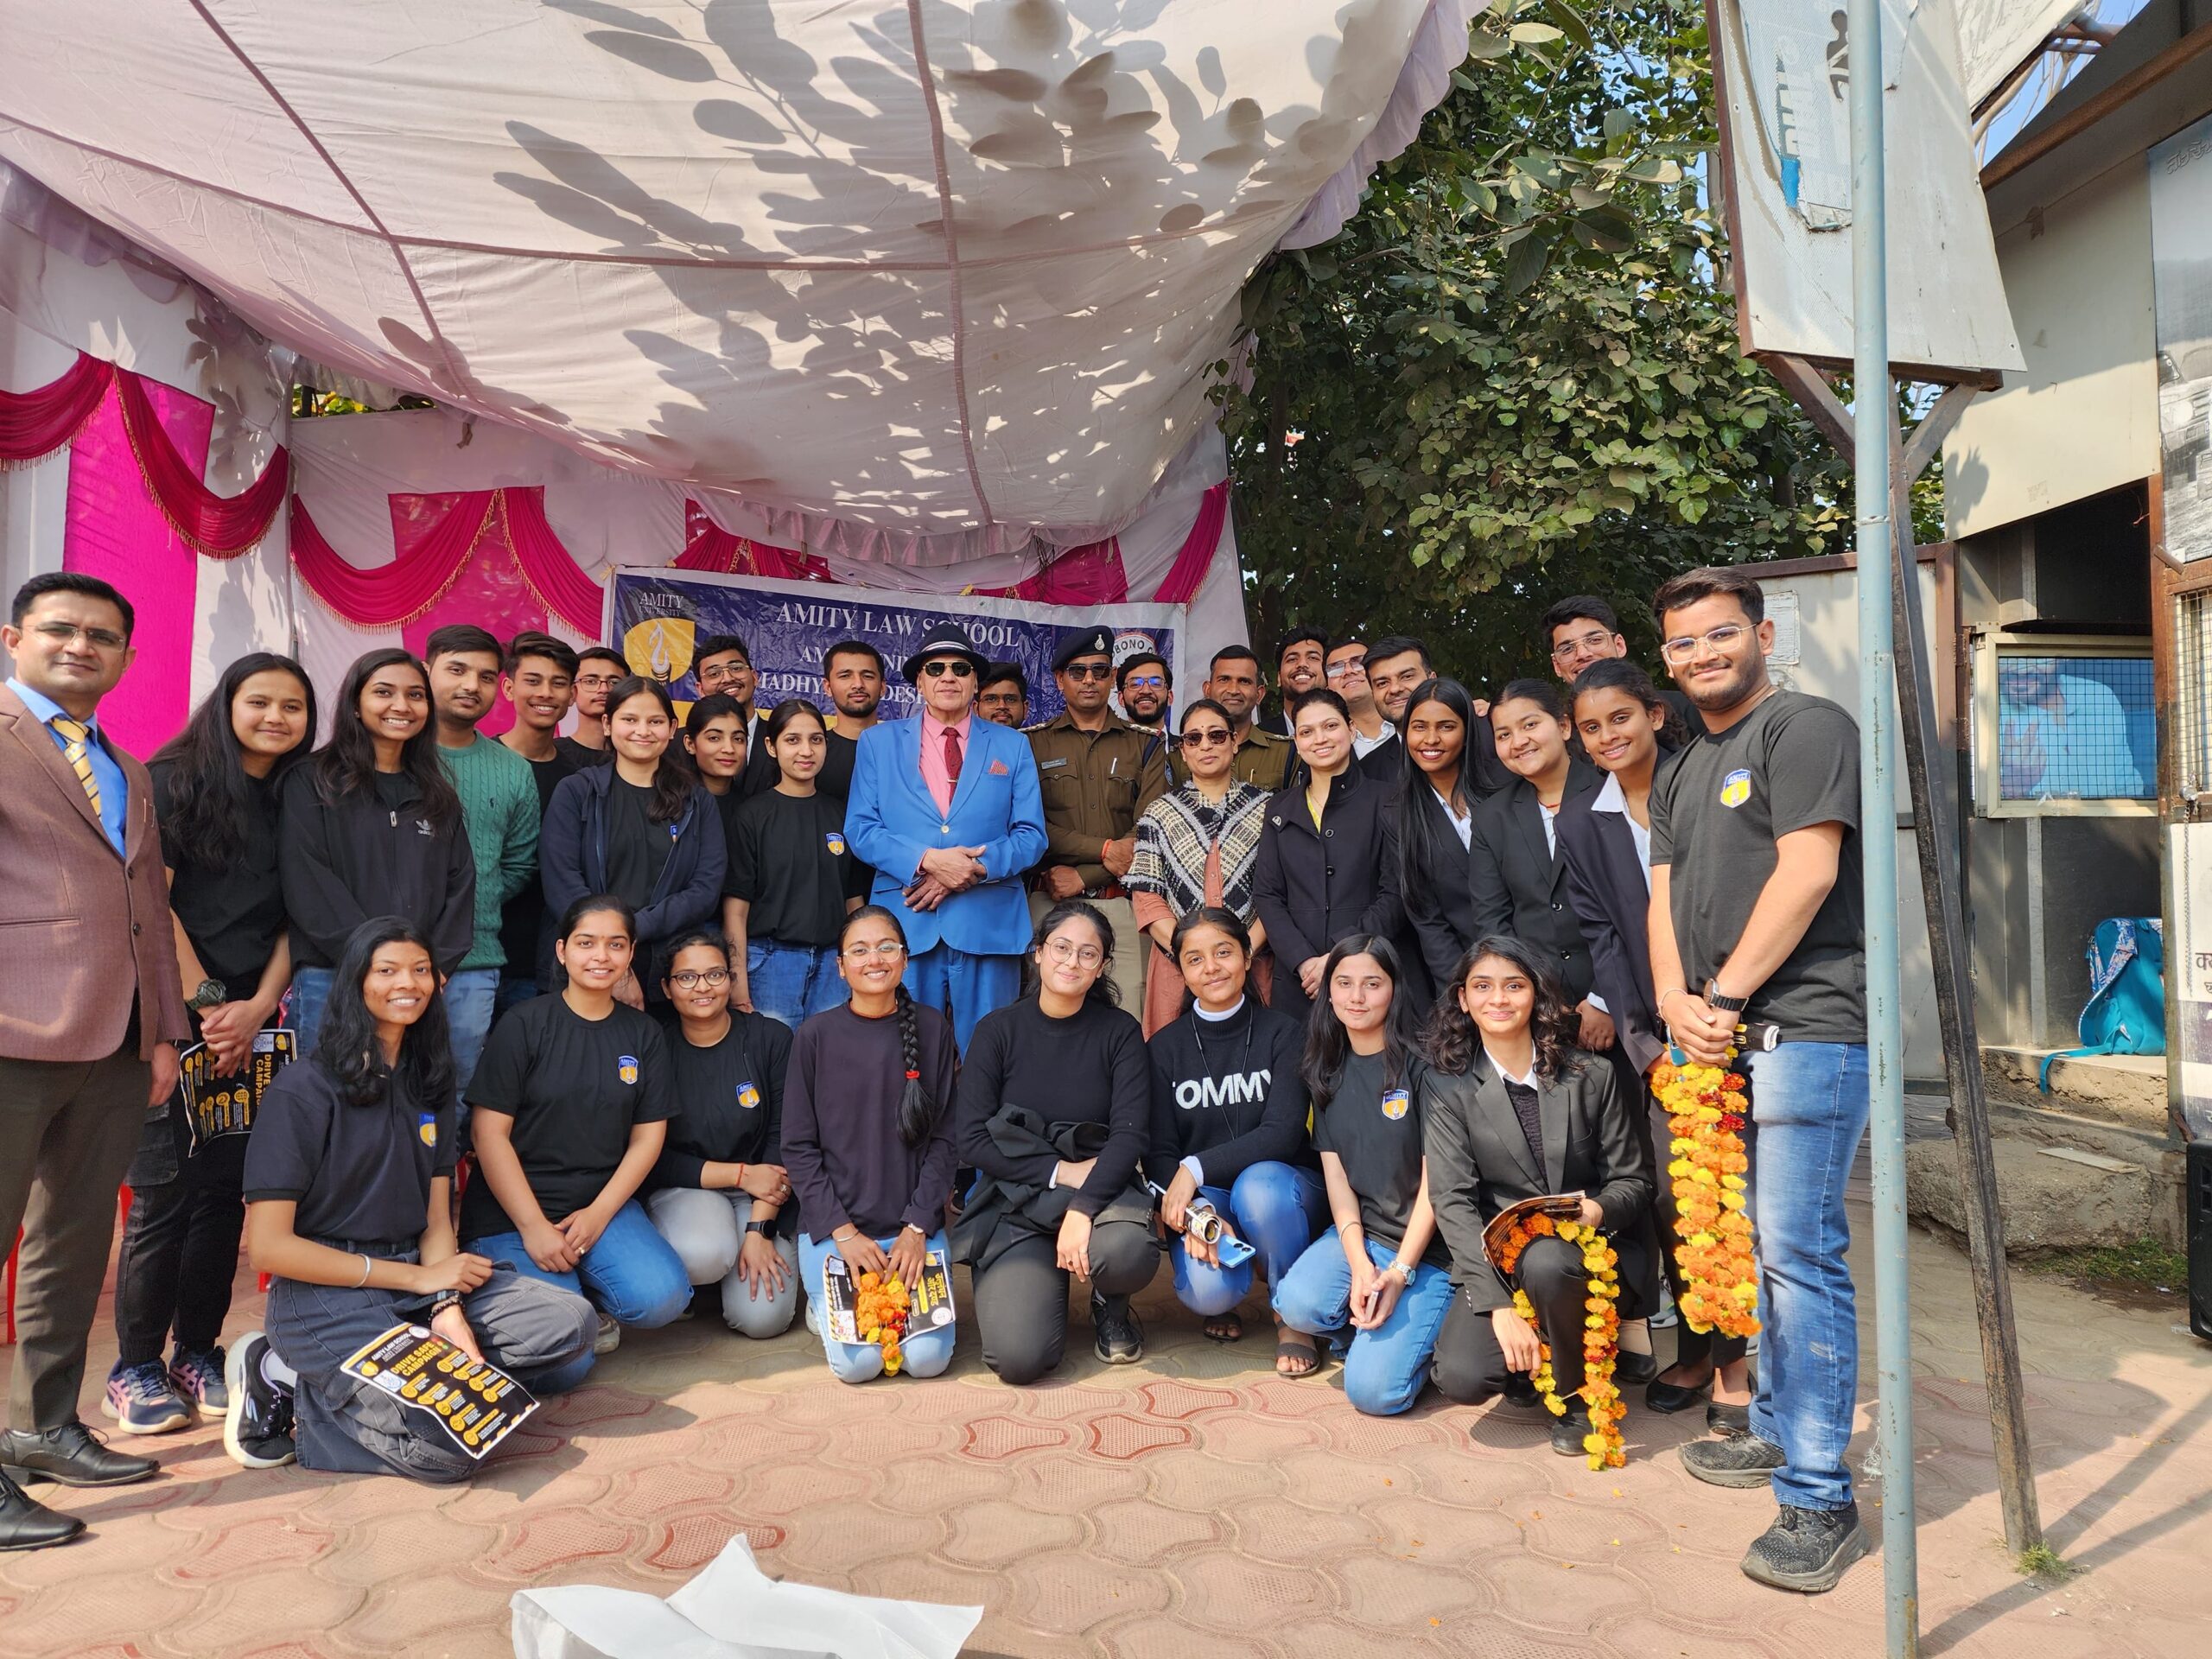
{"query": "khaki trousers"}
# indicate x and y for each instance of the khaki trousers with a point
(1130, 946)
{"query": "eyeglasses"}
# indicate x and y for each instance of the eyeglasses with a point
(1723, 638)
(712, 978)
(598, 682)
(1145, 682)
(1084, 956)
(1349, 666)
(960, 668)
(1587, 642)
(1089, 670)
(62, 633)
(883, 951)
(1191, 740)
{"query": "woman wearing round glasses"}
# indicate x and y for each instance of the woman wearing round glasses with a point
(1056, 1111)
(1196, 849)
(720, 1190)
(867, 1138)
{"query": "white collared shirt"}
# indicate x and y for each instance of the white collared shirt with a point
(1612, 798)
(1463, 823)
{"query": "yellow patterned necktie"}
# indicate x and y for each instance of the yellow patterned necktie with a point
(75, 734)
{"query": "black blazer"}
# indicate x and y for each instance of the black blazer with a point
(1609, 892)
(1313, 887)
(1478, 1163)
(1519, 884)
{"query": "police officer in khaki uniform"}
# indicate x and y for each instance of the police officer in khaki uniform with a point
(1262, 758)
(1096, 779)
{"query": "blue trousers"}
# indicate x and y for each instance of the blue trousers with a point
(470, 996)
(632, 1276)
(1809, 1114)
(792, 983)
(310, 991)
(961, 987)
(923, 1353)
(1386, 1367)
(1276, 1209)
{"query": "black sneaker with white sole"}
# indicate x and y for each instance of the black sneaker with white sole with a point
(257, 1423)
(1733, 1460)
(1115, 1330)
(1807, 1550)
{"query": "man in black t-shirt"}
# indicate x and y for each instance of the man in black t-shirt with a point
(1758, 922)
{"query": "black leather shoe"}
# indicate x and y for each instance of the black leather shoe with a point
(1568, 1431)
(1521, 1391)
(26, 1523)
(1634, 1370)
(1671, 1397)
(71, 1455)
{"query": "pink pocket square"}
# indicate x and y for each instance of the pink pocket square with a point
(998, 768)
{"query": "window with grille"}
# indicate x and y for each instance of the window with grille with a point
(2067, 724)
(2192, 688)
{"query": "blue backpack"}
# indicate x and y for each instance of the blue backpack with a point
(2126, 1010)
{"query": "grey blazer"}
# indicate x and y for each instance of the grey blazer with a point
(1478, 1163)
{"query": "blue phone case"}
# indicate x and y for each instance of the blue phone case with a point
(1235, 1252)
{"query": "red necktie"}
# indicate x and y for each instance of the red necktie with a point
(952, 753)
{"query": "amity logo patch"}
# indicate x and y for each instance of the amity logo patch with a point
(626, 1068)
(1735, 789)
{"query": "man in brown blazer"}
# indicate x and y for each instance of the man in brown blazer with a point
(90, 1011)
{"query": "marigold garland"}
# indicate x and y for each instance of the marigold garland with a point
(1601, 1328)
(1705, 1109)
(880, 1310)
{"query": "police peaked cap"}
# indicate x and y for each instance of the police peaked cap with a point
(945, 640)
(1091, 642)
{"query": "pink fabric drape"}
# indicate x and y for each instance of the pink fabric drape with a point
(394, 594)
(709, 548)
(222, 527)
(38, 423)
(1180, 585)
(560, 587)
(491, 590)
(1091, 575)
(115, 530)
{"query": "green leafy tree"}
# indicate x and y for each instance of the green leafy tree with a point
(1514, 374)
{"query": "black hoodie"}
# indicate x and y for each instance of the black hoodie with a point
(371, 854)
(1228, 1092)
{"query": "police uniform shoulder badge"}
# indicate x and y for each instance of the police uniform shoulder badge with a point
(1736, 788)
(626, 1068)
(1394, 1102)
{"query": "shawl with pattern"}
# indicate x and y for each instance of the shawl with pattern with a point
(1180, 829)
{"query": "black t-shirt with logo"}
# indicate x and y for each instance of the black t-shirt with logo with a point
(637, 847)
(1376, 1133)
(729, 1102)
(357, 1172)
(575, 1087)
(789, 860)
(1716, 810)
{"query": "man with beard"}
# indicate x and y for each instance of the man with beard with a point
(1004, 700)
(723, 665)
(1147, 690)
(1301, 665)
(852, 676)
(1397, 666)
(1096, 779)
(1262, 758)
(1758, 942)
(498, 807)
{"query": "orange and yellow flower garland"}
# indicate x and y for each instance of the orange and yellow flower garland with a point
(1601, 1327)
(880, 1311)
(1705, 1109)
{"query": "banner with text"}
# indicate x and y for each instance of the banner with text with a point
(655, 619)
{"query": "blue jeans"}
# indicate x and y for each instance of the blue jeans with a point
(1385, 1367)
(631, 1275)
(1809, 1114)
(923, 1353)
(1276, 1209)
(511, 991)
(962, 988)
(469, 995)
(792, 983)
(310, 991)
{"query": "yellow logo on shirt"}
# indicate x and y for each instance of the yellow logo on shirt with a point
(1394, 1102)
(626, 1068)
(747, 1095)
(1736, 788)
(836, 843)
(426, 1129)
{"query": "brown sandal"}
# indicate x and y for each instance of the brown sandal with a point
(1307, 1348)
(1224, 1327)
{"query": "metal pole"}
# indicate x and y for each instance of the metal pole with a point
(1874, 421)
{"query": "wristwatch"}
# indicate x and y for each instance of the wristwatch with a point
(442, 1301)
(1726, 1004)
(760, 1227)
(211, 992)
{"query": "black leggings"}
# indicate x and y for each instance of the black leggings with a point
(1021, 1299)
(180, 1251)
(1473, 1369)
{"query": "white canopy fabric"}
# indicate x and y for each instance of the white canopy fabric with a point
(1996, 36)
(875, 267)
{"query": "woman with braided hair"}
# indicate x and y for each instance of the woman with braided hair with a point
(867, 1137)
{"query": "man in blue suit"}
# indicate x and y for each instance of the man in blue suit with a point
(946, 808)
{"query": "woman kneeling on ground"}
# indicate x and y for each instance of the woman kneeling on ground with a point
(347, 1175)
(1228, 1128)
(720, 1190)
(1515, 1112)
(569, 1112)
(867, 1137)
(1381, 1287)
(1056, 1111)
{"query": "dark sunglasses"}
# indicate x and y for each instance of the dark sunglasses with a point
(1089, 670)
(1203, 739)
(960, 668)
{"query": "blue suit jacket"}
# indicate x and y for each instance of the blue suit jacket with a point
(892, 820)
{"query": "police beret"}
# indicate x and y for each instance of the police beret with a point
(1091, 642)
